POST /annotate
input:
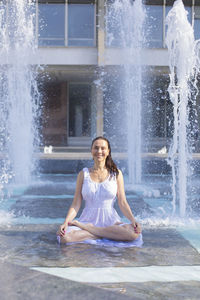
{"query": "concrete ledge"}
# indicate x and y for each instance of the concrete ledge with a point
(116, 155)
(128, 274)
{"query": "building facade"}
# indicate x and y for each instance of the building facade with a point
(81, 54)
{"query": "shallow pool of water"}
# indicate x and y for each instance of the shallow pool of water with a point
(30, 217)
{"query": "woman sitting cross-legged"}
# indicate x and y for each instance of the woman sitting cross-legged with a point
(99, 186)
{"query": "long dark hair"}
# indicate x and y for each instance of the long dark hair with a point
(110, 165)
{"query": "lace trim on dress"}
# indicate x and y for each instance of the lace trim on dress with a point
(111, 176)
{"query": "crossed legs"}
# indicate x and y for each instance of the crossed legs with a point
(77, 236)
(89, 231)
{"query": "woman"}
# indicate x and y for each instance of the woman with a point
(99, 186)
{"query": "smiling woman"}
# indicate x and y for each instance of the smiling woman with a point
(99, 186)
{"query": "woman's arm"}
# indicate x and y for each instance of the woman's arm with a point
(123, 204)
(75, 206)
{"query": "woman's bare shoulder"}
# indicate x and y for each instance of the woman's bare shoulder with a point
(81, 174)
(120, 178)
(79, 180)
(80, 177)
(120, 175)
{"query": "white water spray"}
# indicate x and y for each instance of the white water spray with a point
(130, 17)
(19, 97)
(182, 63)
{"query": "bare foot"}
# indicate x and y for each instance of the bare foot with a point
(80, 225)
(74, 223)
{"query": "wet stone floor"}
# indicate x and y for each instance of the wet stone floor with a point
(34, 245)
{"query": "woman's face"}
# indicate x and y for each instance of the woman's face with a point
(100, 150)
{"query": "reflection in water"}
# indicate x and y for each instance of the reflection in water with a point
(35, 245)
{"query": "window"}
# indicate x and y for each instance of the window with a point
(197, 22)
(158, 110)
(154, 26)
(187, 8)
(118, 25)
(79, 110)
(12, 16)
(2, 22)
(78, 30)
(53, 118)
(81, 24)
(121, 27)
(51, 25)
(113, 25)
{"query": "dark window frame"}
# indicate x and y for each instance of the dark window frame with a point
(66, 39)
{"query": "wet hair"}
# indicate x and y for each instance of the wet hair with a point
(110, 165)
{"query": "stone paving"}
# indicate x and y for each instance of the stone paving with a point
(34, 245)
(21, 283)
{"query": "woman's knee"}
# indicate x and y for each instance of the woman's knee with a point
(131, 234)
(76, 236)
(67, 238)
(64, 239)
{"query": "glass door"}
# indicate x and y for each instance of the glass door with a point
(79, 126)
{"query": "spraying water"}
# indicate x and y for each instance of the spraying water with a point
(182, 63)
(130, 17)
(19, 97)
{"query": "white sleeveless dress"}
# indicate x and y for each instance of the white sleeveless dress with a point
(99, 201)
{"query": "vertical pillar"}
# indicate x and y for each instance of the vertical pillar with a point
(63, 114)
(101, 62)
(93, 111)
(101, 32)
(99, 110)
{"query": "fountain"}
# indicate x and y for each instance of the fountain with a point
(182, 63)
(43, 206)
(19, 96)
(129, 17)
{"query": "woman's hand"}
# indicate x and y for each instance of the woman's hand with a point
(137, 227)
(62, 229)
(75, 206)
